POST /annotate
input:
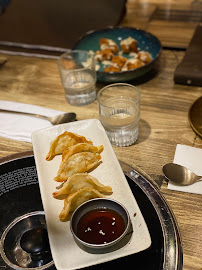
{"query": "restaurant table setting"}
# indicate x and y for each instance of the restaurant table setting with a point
(119, 177)
(16, 231)
(104, 164)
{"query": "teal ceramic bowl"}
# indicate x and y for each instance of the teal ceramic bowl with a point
(146, 42)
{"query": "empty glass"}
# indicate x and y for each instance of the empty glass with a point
(119, 110)
(78, 76)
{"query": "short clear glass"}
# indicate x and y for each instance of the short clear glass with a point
(119, 111)
(78, 77)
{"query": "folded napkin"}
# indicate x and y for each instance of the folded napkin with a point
(20, 127)
(191, 158)
(189, 71)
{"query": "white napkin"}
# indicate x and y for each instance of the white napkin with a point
(191, 158)
(20, 127)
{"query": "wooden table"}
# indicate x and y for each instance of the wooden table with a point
(163, 125)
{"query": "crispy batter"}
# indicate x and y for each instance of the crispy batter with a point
(144, 56)
(112, 68)
(116, 62)
(78, 163)
(78, 157)
(129, 48)
(81, 147)
(129, 45)
(120, 61)
(133, 64)
(63, 141)
(106, 54)
(79, 181)
(76, 199)
(108, 43)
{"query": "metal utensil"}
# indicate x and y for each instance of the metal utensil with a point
(55, 120)
(180, 175)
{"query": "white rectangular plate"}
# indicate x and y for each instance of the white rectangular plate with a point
(66, 253)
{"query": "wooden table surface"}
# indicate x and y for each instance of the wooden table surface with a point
(163, 124)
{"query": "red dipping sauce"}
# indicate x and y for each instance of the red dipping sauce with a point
(100, 226)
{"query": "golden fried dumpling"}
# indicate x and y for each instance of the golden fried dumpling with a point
(76, 199)
(79, 181)
(78, 163)
(81, 147)
(63, 141)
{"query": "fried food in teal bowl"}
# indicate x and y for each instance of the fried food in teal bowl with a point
(122, 53)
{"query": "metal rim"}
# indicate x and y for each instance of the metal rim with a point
(8, 228)
(173, 255)
(102, 246)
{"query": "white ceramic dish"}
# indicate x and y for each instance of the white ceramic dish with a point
(66, 253)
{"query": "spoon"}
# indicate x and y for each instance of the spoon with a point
(180, 175)
(35, 241)
(55, 120)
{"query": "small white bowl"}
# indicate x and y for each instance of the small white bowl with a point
(99, 204)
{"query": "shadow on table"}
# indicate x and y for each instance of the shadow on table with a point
(144, 131)
(145, 78)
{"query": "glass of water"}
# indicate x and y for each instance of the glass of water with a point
(78, 77)
(119, 110)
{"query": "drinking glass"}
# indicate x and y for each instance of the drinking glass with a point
(78, 76)
(119, 111)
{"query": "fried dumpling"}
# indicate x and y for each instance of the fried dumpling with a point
(78, 163)
(76, 199)
(79, 181)
(81, 147)
(63, 141)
